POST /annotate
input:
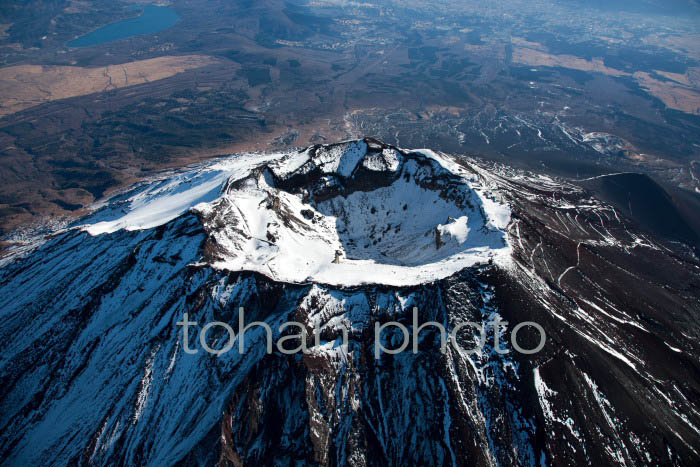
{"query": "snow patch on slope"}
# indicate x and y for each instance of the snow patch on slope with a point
(388, 159)
(341, 158)
(455, 228)
(163, 200)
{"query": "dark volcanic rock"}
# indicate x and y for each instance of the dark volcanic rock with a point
(643, 200)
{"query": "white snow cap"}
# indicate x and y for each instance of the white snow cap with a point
(363, 212)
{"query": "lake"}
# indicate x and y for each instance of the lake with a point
(153, 19)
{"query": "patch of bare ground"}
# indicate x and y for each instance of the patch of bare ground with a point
(679, 92)
(25, 86)
(536, 57)
(675, 94)
(688, 44)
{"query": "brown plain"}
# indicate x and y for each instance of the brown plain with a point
(25, 86)
(681, 93)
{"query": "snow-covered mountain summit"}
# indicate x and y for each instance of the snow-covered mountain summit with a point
(94, 371)
(342, 214)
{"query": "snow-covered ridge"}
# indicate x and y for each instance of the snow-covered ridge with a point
(343, 214)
